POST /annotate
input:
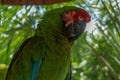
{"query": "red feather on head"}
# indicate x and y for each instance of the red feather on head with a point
(82, 14)
(70, 16)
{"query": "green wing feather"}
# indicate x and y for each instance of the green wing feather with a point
(20, 67)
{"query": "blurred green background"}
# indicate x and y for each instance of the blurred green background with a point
(96, 55)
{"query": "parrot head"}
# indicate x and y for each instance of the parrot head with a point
(75, 22)
(64, 23)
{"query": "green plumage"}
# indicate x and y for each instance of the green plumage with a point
(49, 42)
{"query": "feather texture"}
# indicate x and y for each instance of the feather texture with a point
(46, 55)
(35, 68)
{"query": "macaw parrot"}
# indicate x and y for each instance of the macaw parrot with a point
(47, 55)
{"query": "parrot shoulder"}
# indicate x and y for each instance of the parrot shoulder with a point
(29, 53)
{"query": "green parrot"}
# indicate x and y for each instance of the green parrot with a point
(47, 55)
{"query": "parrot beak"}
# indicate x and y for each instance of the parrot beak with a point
(75, 29)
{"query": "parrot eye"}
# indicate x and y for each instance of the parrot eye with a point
(67, 17)
(67, 12)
